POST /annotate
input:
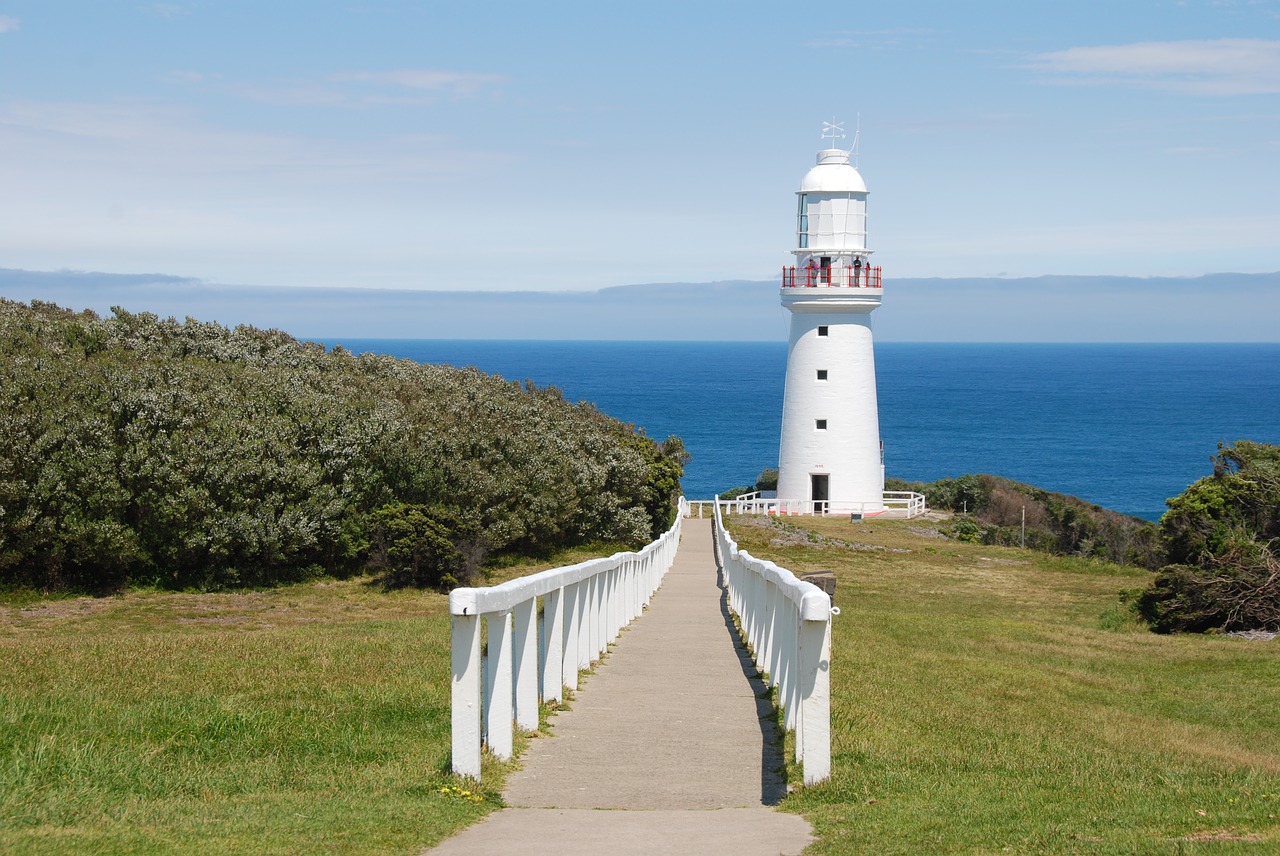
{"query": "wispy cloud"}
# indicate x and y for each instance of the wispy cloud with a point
(8, 24)
(143, 147)
(1200, 67)
(889, 38)
(355, 89)
(184, 77)
(171, 10)
(452, 82)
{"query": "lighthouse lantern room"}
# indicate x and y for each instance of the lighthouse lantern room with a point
(831, 458)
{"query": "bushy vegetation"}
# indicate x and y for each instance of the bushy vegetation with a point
(1219, 538)
(145, 451)
(767, 480)
(1055, 522)
(1214, 551)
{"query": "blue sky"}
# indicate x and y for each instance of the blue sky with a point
(559, 146)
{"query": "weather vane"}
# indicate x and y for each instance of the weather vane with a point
(833, 131)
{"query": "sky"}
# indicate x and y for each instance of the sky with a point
(575, 146)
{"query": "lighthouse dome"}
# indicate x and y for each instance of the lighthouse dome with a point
(833, 174)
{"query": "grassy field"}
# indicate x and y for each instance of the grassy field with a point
(986, 700)
(991, 700)
(306, 719)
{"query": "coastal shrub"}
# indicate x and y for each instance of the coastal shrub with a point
(1055, 523)
(1220, 538)
(768, 479)
(186, 455)
(424, 546)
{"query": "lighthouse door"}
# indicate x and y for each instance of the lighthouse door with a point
(818, 485)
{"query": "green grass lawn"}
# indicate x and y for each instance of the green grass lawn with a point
(986, 700)
(992, 700)
(307, 719)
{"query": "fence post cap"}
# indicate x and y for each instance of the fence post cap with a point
(462, 601)
(815, 605)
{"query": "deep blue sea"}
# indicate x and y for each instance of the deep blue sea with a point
(1124, 426)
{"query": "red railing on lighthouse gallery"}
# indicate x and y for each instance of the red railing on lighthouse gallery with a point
(866, 276)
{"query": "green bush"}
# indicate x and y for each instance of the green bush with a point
(1009, 513)
(141, 450)
(429, 547)
(768, 479)
(1219, 539)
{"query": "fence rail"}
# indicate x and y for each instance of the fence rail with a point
(534, 655)
(752, 503)
(787, 623)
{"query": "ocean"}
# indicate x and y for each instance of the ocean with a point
(1123, 426)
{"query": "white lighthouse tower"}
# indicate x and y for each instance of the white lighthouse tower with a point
(831, 455)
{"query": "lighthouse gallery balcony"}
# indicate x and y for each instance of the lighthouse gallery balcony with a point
(841, 277)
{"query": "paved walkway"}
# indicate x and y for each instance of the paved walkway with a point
(670, 733)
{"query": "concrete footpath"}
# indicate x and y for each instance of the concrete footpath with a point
(667, 748)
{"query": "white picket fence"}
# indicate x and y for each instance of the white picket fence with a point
(787, 623)
(533, 655)
(900, 503)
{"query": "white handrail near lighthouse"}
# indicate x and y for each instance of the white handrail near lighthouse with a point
(787, 623)
(534, 655)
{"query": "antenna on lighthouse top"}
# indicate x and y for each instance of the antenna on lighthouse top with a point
(857, 133)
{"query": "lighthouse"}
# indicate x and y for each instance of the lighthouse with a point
(830, 459)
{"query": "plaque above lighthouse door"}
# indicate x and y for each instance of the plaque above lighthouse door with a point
(818, 491)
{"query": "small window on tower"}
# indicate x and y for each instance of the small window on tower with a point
(821, 424)
(822, 374)
(822, 331)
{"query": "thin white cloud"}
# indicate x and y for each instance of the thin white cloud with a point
(184, 77)
(434, 80)
(146, 148)
(373, 88)
(1200, 67)
(8, 24)
(171, 10)
(863, 39)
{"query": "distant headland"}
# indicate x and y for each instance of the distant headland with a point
(1220, 307)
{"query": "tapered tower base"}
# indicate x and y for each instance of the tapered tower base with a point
(830, 453)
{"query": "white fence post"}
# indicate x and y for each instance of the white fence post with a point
(553, 645)
(465, 651)
(572, 620)
(813, 735)
(498, 685)
(524, 653)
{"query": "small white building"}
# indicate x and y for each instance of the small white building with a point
(831, 459)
